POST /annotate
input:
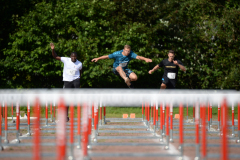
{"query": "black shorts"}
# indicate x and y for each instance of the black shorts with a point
(126, 70)
(72, 84)
(170, 83)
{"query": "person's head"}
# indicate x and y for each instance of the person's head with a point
(171, 55)
(73, 56)
(126, 50)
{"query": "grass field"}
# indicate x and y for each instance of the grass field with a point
(117, 112)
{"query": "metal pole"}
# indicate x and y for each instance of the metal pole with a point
(12, 115)
(28, 117)
(161, 124)
(210, 114)
(51, 112)
(167, 127)
(89, 126)
(92, 115)
(163, 119)
(1, 147)
(71, 132)
(79, 125)
(154, 118)
(218, 117)
(209, 110)
(36, 136)
(100, 113)
(104, 114)
(61, 131)
(17, 123)
(6, 125)
(238, 141)
(204, 139)
(95, 123)
(197, 131)
(233, 135)
(85, 131)
(171, 123)
(181, 130)
(46, 114)
(54, 112)
(224, 150)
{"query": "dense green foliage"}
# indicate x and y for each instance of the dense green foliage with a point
(204, 34)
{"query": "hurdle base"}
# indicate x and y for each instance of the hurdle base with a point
(179, 147)
(89, 147)
(171, 140)
(78, 146)
(28, 134)
(6, 141)
(95, 140)
(70, 158)
(233, 135)
(238, 141)
(18, 140)
(196, 158)
(180, 158)
(166, 147)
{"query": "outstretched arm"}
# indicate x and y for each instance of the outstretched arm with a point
(96, 59)
(154, 69)
(54, 54)
(180, 66)
(144, 59)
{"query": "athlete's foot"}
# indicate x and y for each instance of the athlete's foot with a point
(67, 119)
(127, 81)
(131, 86)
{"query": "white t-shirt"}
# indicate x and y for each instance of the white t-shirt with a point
(71, 70)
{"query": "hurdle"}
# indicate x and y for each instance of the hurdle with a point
(202, 100)
(238, 140)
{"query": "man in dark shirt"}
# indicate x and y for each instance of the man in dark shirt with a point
(171, 67)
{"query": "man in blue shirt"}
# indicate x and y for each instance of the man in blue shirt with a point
(121, 61)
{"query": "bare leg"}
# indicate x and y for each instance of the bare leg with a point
(123, 75)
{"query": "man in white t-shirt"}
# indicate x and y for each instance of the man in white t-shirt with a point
(71, 71)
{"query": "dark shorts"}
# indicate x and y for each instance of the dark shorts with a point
(72, 84)
(126, 70)
(170, 83)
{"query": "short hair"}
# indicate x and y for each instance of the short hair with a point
(127, 46)
(73, 53)
(171, 51)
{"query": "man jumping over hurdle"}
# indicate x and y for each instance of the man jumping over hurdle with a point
(171, 67)
(121, 61)
(71, 71)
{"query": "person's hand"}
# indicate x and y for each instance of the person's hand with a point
(150, 72)
(52, 45)
(94, 60)
(175, 62)
(148, 60)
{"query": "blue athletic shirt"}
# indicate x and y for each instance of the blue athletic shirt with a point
(120, 59)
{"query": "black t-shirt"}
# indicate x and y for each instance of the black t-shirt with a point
(170, 67)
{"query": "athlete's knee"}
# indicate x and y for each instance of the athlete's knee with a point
(134, 78)
(163, 86)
